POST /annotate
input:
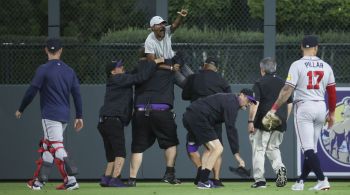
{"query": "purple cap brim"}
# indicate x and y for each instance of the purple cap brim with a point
(251, 99)
(118, 63)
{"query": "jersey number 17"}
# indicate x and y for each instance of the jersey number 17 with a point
(318, 75)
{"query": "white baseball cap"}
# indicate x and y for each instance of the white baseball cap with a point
(156, 20)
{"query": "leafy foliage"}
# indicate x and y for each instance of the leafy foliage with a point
(215, 14)
(23, 16)
(88, 19)
(308, 16)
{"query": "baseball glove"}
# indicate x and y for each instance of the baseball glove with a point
(241, 171)
(271, 121)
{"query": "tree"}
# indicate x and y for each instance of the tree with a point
(89, 19)
(22, 17)
(309, 16)
(220, 15)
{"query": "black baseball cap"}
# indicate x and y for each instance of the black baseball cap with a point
(212, 61)
(113, 65)
(53, 44)
(309, 41)
(250, 95)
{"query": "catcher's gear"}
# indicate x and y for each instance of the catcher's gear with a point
(180, 79)
(241, 171)
(186, 70)
(178, 59)
(70, 166)
(181, 76)
(45, 171)
(271, 121)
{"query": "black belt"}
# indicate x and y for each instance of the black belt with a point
(104, 118)
(155, 109)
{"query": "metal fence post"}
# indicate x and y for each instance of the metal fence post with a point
(162, 9)
(54, 18)
(269, 28)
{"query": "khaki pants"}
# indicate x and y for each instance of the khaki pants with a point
(265, 142)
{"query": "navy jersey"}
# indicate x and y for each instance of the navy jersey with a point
(56, 81)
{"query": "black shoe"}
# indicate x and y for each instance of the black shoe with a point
(259, 184)
(217, 183)
(281, 180)
(131, 183)
(196, 180)
(170, 178)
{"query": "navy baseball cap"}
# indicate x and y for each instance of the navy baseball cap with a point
(212, 61)
(309, 41)
(114, 64)
(250, 95)
(53, 44)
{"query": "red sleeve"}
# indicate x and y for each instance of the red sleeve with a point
(332, 97)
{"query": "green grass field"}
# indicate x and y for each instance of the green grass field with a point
(187, 188)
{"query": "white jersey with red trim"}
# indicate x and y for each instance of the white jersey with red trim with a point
(310, 76)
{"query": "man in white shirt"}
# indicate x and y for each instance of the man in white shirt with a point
(158, 42)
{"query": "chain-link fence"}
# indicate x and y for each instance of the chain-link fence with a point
(231, 30)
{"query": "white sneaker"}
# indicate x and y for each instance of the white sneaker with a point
(34, 184)
(298, 186)
(322, 185)
(72, 186)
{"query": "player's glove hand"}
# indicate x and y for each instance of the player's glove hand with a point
(241, 171)
(271, 121)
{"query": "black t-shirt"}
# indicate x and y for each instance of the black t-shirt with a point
(266, 91)
(159, 89)
(204, 83)
(119, 92)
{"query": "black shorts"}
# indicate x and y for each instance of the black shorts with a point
(158, 125)
(218, 129)
(199, 127)
(112, 132)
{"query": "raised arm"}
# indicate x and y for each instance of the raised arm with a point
(178, 20)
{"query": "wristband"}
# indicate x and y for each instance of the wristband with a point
(274, 107)
(250, 121)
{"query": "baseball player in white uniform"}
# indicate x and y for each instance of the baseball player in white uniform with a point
(309, 78)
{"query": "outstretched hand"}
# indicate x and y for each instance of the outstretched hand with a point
(183, 12)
